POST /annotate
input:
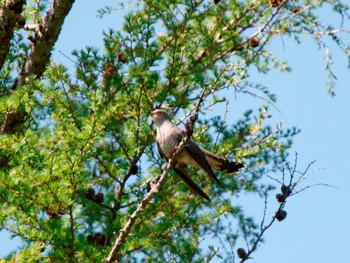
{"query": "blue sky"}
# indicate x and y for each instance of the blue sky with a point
(317, 227)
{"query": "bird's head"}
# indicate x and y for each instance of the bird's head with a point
(159, 116)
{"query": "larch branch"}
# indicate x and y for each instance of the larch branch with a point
(49, 30)
(9, 14)
(44, 40)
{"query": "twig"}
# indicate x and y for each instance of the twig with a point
(190, 124)
(221, 128)
(287, 190)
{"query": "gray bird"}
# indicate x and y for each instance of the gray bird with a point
(169, 137)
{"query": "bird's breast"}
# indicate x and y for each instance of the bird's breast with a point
(168, 145)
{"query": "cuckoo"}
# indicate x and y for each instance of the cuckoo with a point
(169, 137)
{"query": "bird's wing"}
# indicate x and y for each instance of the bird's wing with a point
(161, 153)
(182, 173)
(178, 133)
(199, 156)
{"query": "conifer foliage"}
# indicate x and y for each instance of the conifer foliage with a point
(78, 162)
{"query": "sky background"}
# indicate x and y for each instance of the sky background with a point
(317, 227)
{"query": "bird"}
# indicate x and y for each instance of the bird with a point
(169, 137)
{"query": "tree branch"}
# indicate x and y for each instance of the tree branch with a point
(9, 14)
(115, 255)
(44, 40)
(287, 190)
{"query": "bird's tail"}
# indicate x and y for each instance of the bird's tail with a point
(222, 164)
(182, 173)
(230, 167)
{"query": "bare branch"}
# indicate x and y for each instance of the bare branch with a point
(286, 192)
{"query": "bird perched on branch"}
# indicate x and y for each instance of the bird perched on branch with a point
(169, 137)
